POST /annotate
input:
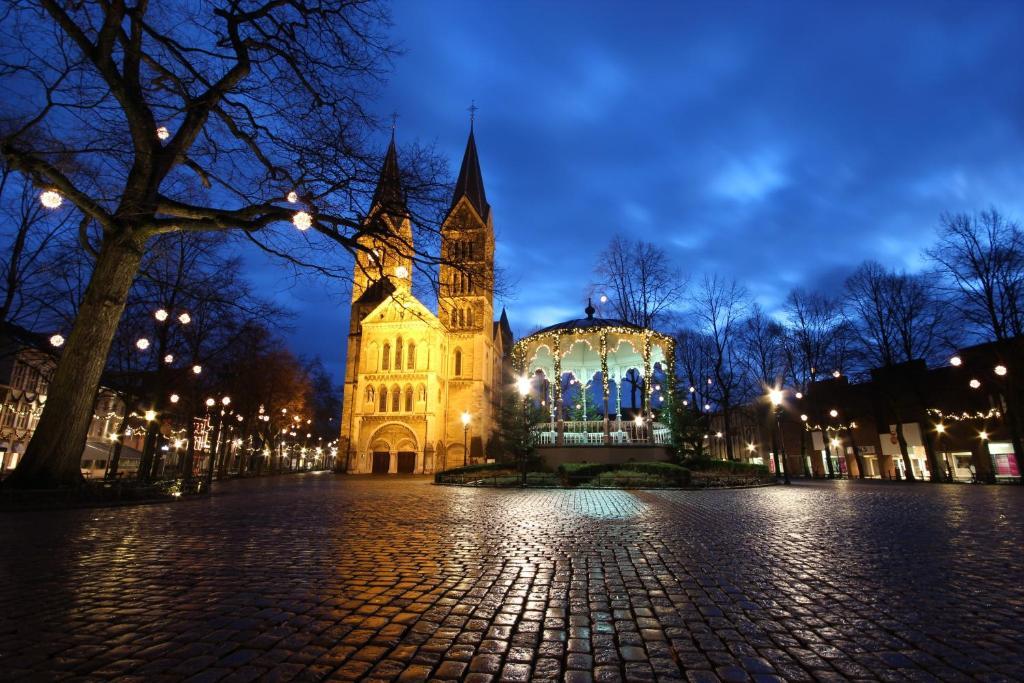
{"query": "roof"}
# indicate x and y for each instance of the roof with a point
(589, 322)
(471, 181)
(389, 196)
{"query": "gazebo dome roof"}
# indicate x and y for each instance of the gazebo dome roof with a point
(590, 322)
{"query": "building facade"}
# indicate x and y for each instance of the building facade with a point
(422, 389)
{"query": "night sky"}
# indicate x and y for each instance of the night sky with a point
(780, 143)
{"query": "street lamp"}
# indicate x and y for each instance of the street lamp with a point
(776, 396)
(465, 438)
(523, 387)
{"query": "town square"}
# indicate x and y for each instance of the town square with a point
(579, 341)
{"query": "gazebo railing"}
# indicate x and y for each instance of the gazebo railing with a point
(581, 433)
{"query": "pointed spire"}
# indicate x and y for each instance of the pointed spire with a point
(471, 182)
(389, 196)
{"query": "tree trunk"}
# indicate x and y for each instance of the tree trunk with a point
(727, 425)
(146, 469)
(904, 451)
(115, 457)
(53, 456)
(938, 476)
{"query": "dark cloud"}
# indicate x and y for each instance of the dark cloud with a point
(780, 143)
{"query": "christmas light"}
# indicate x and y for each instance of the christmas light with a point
(150, 415)
(175, 398)
(302, 220)
(1000, 370)
(196, 369)
(162, 133)
(169, 358)
(956, 361)
(293, 196)
(56, 341)
(161, 314)
(51, 199)
(142, 344)
(974, 384)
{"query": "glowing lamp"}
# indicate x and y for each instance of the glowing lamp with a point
(803, 418)
(51, 199)
(162, 133)
(142, 344)
(523, 386)
(56, 341)
(974, 384)
(1000, 370)
(226, 400)
(161, 314)
(196, 369)
(833, 413)
(184, 318)
(465, 417)
(175, 398)
(956, 361)
(210, 403)
(169, 358)
(775, 396)
(293, 196)
(302, 220)
(836, 374)
(150, 415)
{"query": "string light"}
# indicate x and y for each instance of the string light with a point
(302, 220)
(990, 414)
(142, 344)
(175, 398)
(51, 199)
(161, 314)
(162, 133)
(293, 196)
(56, 341)
(196, 369)
(169, 358)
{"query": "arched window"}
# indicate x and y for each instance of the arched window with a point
(383, 399)
(469, 317)
(385, 358)
(408, 399)
(398, 354)
(458, 362)
(411, 363)
(396, 399)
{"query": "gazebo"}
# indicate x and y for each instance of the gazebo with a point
(604, 350)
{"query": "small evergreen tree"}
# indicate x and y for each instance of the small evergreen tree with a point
(516, 419)
(688, 431)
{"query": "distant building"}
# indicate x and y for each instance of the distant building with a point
(962, 411)
(411, 375)
(27, 361)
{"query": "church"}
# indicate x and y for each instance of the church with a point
(422, 390)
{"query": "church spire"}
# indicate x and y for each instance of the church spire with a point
(389, 196)
(471, 182)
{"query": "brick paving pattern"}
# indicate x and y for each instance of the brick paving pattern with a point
(322, 577)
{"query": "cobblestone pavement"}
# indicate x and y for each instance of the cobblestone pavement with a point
(327, 577)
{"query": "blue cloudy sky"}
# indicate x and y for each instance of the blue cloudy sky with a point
(777, 142)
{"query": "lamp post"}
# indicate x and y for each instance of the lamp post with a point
(465, 438)
(776, 396)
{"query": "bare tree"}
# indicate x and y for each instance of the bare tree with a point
(897, 319)
(641, 284)
(32, 242)
(155, 118)
(718, 307)
(982, 257)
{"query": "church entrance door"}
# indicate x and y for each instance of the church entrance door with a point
(406, 462)
(381, 462)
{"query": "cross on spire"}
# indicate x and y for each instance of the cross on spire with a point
(472, 109)
(394, 123)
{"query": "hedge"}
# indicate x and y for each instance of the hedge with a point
(475, 469)
(575, 473)
(729, 467)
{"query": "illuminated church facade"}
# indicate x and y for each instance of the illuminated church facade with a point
(421, 389)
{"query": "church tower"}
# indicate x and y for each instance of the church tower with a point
(466, 308)
(383, 267)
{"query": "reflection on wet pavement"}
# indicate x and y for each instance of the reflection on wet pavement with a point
(346, 577)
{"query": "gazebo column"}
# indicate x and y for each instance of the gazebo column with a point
(604, 385)
(560, 426)
(647, 376)
(618, 398)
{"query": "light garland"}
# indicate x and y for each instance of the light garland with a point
(51, 199)
(302, 220)
(992, 413)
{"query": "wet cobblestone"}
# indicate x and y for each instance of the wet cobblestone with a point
(343, 578)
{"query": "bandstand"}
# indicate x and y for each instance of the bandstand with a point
(613, 353)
